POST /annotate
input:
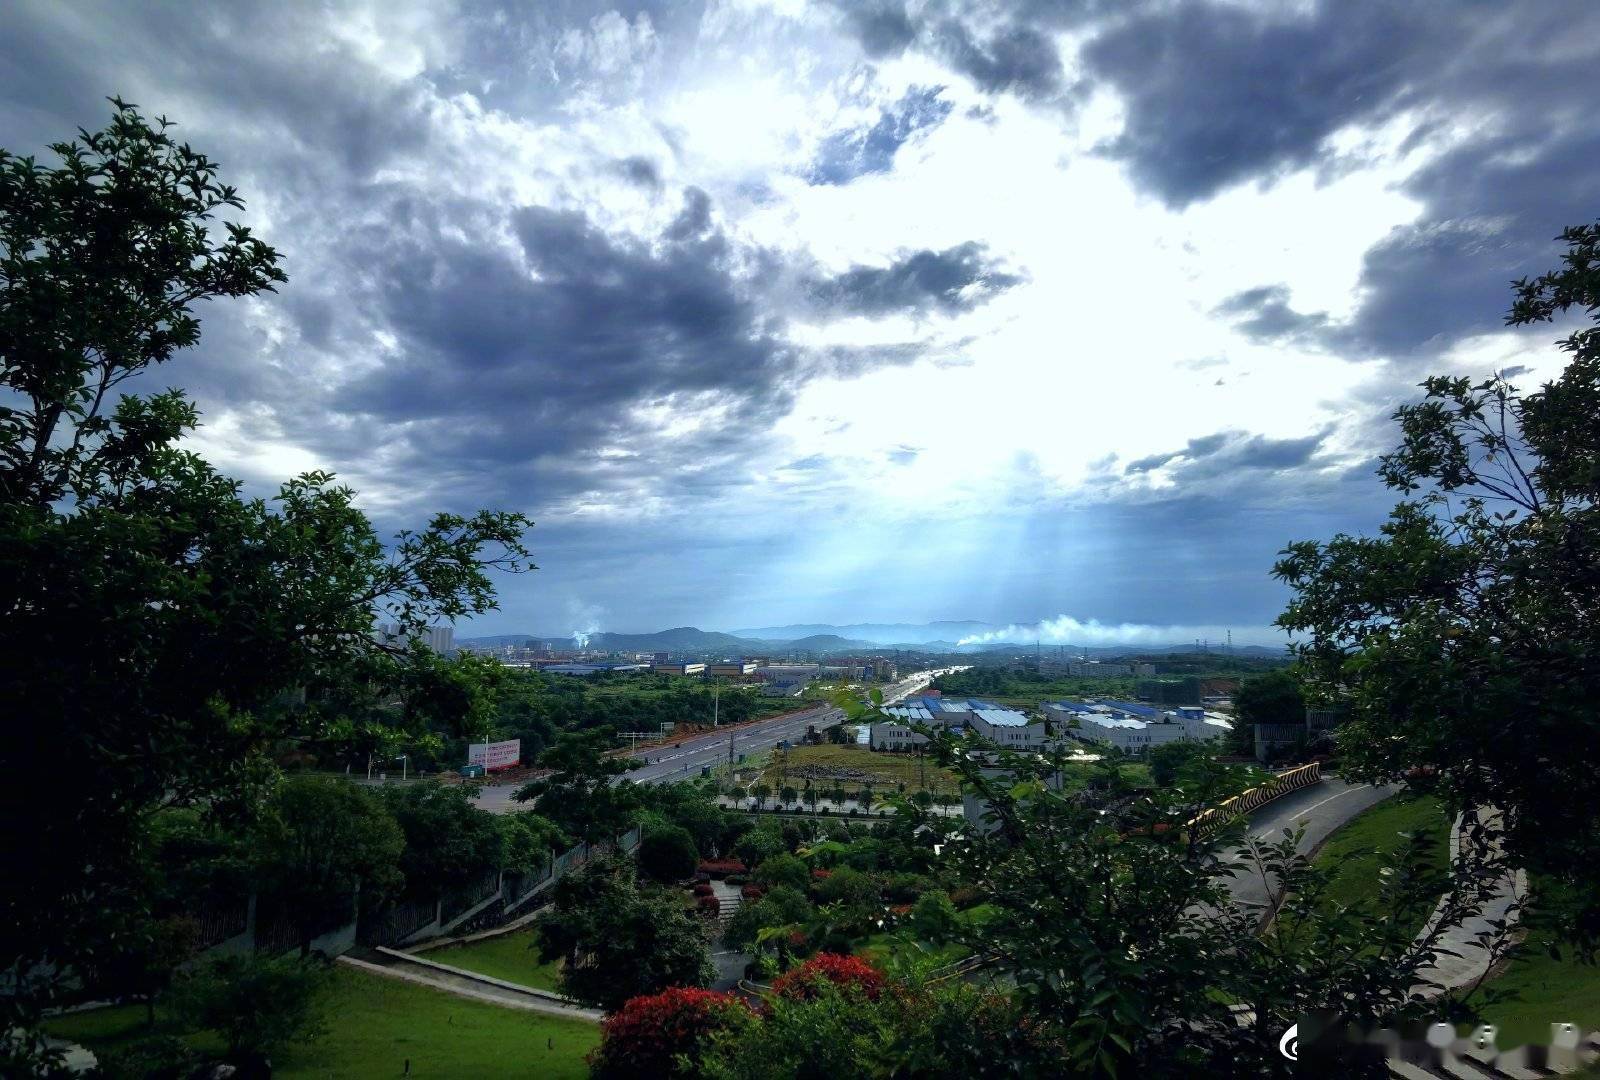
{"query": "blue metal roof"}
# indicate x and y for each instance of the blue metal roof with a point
(1073, 706)
(1130, 707)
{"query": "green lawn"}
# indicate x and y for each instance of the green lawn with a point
(1547, 991)
(511, 957)
(1355, 853)
(376, 1023)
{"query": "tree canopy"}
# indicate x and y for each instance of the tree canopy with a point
(156, 620)
(1462, 637)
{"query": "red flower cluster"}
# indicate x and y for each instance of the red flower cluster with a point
(752, 892)
(804, 982)
(644, 1036)
(821, 875)
(722, 867)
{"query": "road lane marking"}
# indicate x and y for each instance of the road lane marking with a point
(1313, 806)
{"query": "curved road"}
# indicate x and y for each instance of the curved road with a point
(1322, 807)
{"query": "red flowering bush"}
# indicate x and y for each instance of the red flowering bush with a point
(710, 905)
(722, 867)
(644, 1037)
(823, 969)
(703, 888)
(821, 875)
(752, 892)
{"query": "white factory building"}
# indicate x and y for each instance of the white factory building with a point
(1003, 727)
(1133, 728)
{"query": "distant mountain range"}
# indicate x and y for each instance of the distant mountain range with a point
(824, 638)
(877, 633)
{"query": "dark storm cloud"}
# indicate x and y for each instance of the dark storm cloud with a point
(1232, 452)
(1220, 94)
(548, 348)
(639, 170)
(1264, 314)
(845, 155)
(1015, 58)
(951, 281)
(884, 29)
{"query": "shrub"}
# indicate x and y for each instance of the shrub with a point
(825, 969)
(752, 892)
(710, 905)
(703, 888)
(648, 1034)
(782, 870)
(723, 867)
(667, 853)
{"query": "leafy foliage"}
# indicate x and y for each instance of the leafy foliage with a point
(1462, 637)
(648, 1035)
(255, 1004)
(667, 853)
(583, 797)
(323, 840)
(155, 620)
(620, 941)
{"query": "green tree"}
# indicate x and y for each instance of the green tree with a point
(1115, 925)
(620, 941)
(529, 840)
(321, 841)
(760, 844)
(587, 796)
(667, 853)
(255, 1004)
(145, 964)
(783, 870)
(118, 544)
(1274, 697)
(449, 841)
(1168, 759)
(1462, 638)
(761, 793)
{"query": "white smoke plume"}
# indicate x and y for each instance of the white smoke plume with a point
(1065, 630)
(587, 618)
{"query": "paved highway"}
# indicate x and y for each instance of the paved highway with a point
(683, 759)
(1322, 807)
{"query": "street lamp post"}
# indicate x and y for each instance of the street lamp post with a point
(405, 766)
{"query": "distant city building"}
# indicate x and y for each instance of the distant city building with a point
(678, 667)
(736, 669)
(441, 639)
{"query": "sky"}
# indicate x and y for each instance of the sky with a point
(1061, 314)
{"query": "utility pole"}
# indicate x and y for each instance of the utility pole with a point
(716, 690)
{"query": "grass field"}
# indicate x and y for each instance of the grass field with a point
(511, 957)
(1547, 991)
(1355, 853)
(888, 770)
(375, 1024)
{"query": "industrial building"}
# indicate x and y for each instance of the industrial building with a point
(1004, 727)
(592, 669)
(1124, 725)
(736, 669)
(677, 667)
